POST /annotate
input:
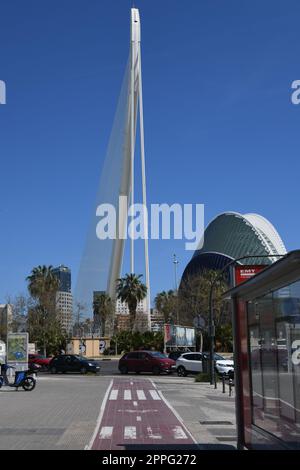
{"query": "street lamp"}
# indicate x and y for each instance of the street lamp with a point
(175, 262)
(211, 313)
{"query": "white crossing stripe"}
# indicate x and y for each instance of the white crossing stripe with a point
(127, 395)
(151, 435)
(154, 394)
(135, 403)
(141, 395)
(179, 433)
(106, 432)
(130, 432)
(139, 418)
(114, 394)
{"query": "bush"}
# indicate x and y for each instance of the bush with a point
(205, 377)
(129, 341)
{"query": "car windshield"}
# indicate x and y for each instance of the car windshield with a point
(158, 354)
(80, 357)
(218, 357)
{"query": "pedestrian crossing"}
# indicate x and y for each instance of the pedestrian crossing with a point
(136, 395)
(131, 432)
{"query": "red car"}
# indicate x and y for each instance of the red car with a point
(146, 361)
(40, 360)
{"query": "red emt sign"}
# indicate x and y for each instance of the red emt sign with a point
(244, 272)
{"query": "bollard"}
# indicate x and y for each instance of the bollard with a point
(230, 386)
(223, 383)
(215, 375)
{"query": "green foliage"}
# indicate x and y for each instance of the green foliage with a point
(131, 290)
(43, 325)
(202, 377)
(224, 339)
(133, 340)
(194, 297)
(103, 308)
(166, 303)
(205, 377)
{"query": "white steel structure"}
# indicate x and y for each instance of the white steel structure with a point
(135, 108)
(101, 263)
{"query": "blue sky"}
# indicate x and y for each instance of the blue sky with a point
(220, 128)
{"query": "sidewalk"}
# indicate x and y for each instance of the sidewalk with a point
(208, 413)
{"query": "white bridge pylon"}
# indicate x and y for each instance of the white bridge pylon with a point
(134, 110)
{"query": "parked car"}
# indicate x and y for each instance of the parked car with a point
(39, 359)
(189, 363)
(222, 365)
(146, 361)
(73, 363)
(176, 354)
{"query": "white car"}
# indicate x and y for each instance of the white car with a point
(223, 366)
(189, 363)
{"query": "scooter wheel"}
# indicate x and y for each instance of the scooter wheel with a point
(28, 384)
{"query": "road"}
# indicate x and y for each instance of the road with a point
(112, 411)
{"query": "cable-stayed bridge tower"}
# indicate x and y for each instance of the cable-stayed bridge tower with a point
(102, 259)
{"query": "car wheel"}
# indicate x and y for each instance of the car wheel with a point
(124, 370)
(181, 372)
(156, 370)
(83, 370)
(53, 370)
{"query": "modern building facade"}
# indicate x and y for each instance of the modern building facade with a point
(157, 320)
(64, 298)
(63, 273)
(232, 235)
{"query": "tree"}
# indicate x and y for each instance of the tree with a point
(21, 304)
(166, 304)
(80, 308)
(133, 340)
(194, 297)
(44, 327)
(194, 300)
(131, 290)
(103, 310)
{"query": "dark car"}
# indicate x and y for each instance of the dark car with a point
(146, 361)
(73, 363)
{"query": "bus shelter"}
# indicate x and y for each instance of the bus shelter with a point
(266, 319)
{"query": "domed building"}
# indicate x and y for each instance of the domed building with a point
(232, 235)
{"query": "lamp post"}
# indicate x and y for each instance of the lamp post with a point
(175, 262)
(211, 313)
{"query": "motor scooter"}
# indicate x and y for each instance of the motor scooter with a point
(23, 378)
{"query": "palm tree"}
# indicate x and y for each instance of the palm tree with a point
(166, 303)
(131, 290)
(103, 309)
(42, 286)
